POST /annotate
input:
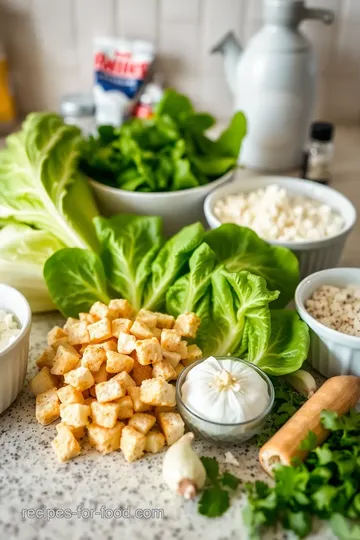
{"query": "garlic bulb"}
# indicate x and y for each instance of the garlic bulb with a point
(225, 391)
(303, 382)
(183, 470)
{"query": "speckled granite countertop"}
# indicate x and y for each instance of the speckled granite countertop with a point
(32, 479)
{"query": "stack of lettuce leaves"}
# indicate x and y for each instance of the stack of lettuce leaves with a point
(237, 283)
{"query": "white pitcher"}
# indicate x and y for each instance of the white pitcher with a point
(273, 81)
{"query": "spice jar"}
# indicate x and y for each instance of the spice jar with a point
(79, 110)
(319, 153)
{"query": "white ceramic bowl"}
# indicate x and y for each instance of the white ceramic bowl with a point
(312, 255)
(331, 352)
(177, 208)
(14, 358)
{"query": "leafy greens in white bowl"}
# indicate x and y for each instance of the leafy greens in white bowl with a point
(236, 283)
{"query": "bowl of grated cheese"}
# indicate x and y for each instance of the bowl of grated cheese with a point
(312, 220)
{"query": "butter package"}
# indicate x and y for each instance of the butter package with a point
(122, 67)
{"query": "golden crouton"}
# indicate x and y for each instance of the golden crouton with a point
(65, 445)
(80, 378)
(64, 361)
(110, 345)
(99, 310)
(132, 443)
(155, 441)
(172, 357)
(75, 414)
(124, 379)
(43, 381)
(164, 370)
(179, 369)
(47, 407)
(147, 317)
(172, 426)
(193, 353)
(69, 394)
(78, 432)
(121, 325)
(126, 409)
(141, 331)
(187, 324)
(171, 340)
(117, 362)
(46, 358)
(69, 322)
(120, 308)
(140, 373)
(101, 375)
(138, 405)
(105, 414)
(164, 321)
(109, 390)
(160, 409)
(142, 422)
(93, 357)
(54, 334)
(89, 401)
(157, 392)
(183, 350)
(64, 341)
(126, 343)
(92, 391)
(157, 332)
(148, 351)
(105, 440)
(86, 317)
(78, 333)
(100, 330)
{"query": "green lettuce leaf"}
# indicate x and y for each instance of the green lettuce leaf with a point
(76, 279)
(233, 301)
(23, 252)
(49, 192)
(185, 293)
(129, 245)
(239, 248)
(170, 263)
(287, 347)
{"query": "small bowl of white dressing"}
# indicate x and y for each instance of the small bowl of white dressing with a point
(15, 323)
(224, 399)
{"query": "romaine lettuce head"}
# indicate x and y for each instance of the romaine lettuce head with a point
(23, 252)
(239, 248)
(40, 184)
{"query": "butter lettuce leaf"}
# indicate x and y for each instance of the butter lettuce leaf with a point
(76, 279)
(40, 184)
(129, 245)
(287, 346)
(23, 252)
(239, 248)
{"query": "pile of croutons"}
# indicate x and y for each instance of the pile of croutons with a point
(107, 374)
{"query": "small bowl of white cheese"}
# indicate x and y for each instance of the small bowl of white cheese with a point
(225, 400)
(312, 220)
(15, 323)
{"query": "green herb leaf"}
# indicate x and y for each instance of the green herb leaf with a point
(229, 480)
(299, 522)
(214, 502)
(343, 529)
(211, 467)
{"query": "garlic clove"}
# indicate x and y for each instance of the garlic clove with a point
(303, 382)
(183, 470)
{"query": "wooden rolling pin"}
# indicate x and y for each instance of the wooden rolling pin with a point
(339, 394)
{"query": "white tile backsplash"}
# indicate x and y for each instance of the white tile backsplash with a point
(49, 45)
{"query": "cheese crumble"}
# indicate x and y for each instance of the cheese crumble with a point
(9, 328)
(337, 308)
(275, 215)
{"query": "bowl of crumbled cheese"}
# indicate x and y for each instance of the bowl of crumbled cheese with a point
(15, 323)
(312, 220)
(329, 302)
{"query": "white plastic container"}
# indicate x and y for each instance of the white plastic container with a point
(331, 352)
(177, 208)
(312, 255)
(14, 357)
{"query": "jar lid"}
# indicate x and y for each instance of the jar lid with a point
(322, 131)
(77, 105)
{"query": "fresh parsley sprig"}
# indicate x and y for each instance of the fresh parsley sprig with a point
(215, 499)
